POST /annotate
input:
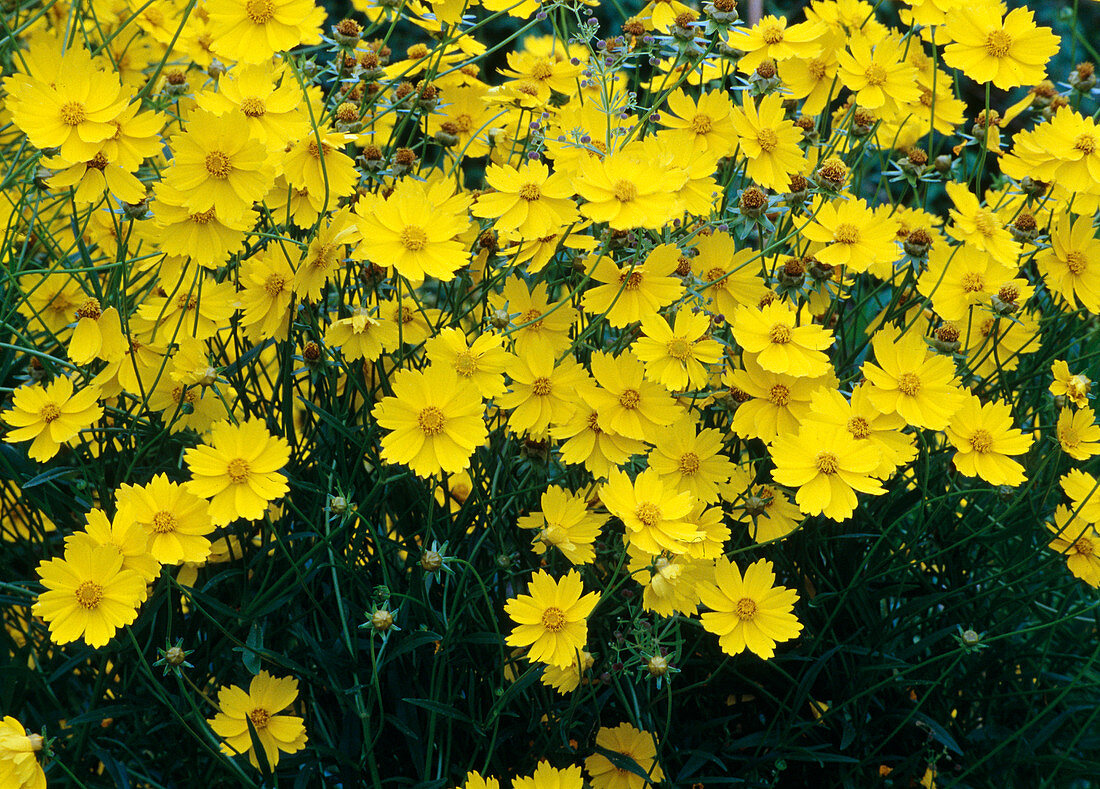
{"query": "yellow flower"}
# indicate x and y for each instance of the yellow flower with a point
(1078, 433)
(827, 465)
(876, 72)
(251, 31)
(958, 278)
(676, 356)
(769, 404)
(539, 327)
(691, 459)
(361, 335)
(553, 619)
(985, 440)
(1082, 488)
(627, 191)
(260, 706)
(528, 201)
(124, 536)
(771, 39)
(267, 294)
(51, 415)
(320, 168)
(586, 442)
(435, 421)
(668, 582)
(481, 363)
(566, 523)
(779, 345)
(852, 235)
(633, 291)
(1073, 387)
(269, 99)
(238, 470)
(979, 228)
(1071, 267)
(700, 126)
(1079, 541)
(97, 334)
(475, 781)
(547, 777)
(655, 514)
(628, 405)
(567, 680)
(1008, 52)
(19, 767)
(766, 510)
(542, 394)
(176, 523)
(326, 255)
(911, 381)
(769, 142)
(866, 423)
(207, 237)
(88, 594)
(639, 747)
(730, 276)
(749, 612)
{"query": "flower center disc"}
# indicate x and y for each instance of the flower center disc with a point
(88, 594)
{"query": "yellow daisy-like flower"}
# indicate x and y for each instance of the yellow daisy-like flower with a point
(19, 767)
(88, 594)
(52, 415)
(655, 514)
(827, 465)
(176, 522)
(361, 335)
(852, 235)
(528, 201)
(547, 777)
(260, 706)
(780, 345)
(772, 39)
(567, 680)
(539, 327)
(627, 403)
(474, 780)
(700, 126)
(633, 291)
(668, 582)
(565, 522)
(435, 421)
(252, 31)
(1079, 541)
(553, 619)
(588, 444)
(866, 423)
(958, 278)
(770, 404)
(676, 356)
(1008, 52)
(122, 534)
(481, 363)
(730, 276)
(1078, 433)
(979, 227)
(1071, 267)
(751, 612)
(985, 440)
(1074, 387)
(769, 142)
(634, 745)
(627, 191)
(238, 470)
(876, 72)
(691, 459)
(911, 381)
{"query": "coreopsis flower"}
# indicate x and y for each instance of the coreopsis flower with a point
(810, 80)
(267, 293)
(1079, 541)
(852, 235)
(585, 442)
(19, 767)
(958, 278)
(702, 125)
(979, 228)
(206, 237)
(481, 362)
(538, 326)
(877, 73)
(1082, 489)
(770, 403)
(628, 191)
(49, 301)
(628, 404)
(553, 619)
(660, 15)
(828, 465)
(88, 594)
(435, 421)
(567, 680)
(676, 356)
(176, 522)
(474, 780)
(691, 459)
(326, 254)
(1009, 51)
(93, 178)
(216, 164)
(315, 163)
(528, 201)
(415, 322)
(252, 31)
(547, 777)
(655, 514)
(633, 291)
(668, 581)
(866, 423)
(73, 112)
(413, 231)
(1071, 266)
(542, 393)
(126, 537)
(780, 346)
(269, 99)
(986, 440)
(51, 415)
(911, 381)
(750, 612)
(1074, 387)
(237, 469)
(200, 310)
(362, 335)
(772, 39)
(768, 141)
(634, 745)
(765, 510)
(1064, 151)
(566, 523)
(730, 276)
(97, 334)
(262, 706)
(1078, 433)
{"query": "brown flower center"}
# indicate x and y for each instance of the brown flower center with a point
(541, 387)
(1085, 143)
(49, 412)
(779, 395)
(745, 609)
(689, 463)
(972, 282)
(858, 427)
(89, 309)
(780, 334)
(530, 192)
(629, 399)
(701, 124)
(253, 107)
(1084, 547)
(846, 233)
(260, 11)
(259, 718)
(553, 619)
(875, 74)
(767, 139)
(465, 364)
(827, 462)
(1076, 262)
(237, 470)
(679, 348)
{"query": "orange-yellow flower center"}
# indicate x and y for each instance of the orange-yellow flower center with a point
(541, 387)
(413, 238)
(745, 609)
(531, 317)
(218, 165)
(625, 191)
(465, 364)
(530, 192)
(88, 594)
(972, 282)
(875, 75)
(164, 522)
(701, 124)
(1068, 437)
(274, 284)
(767, 139)
(679, 348)
(1076, 262)
(779, 395)
(633, 280)
(772, 34)
(542, 70)
(858, 427)
(1085, 143)
(816, 67)
(909, 383)
(716, 273)
(630, 399)
(259, 718)
(72, 113)
(431, 420)
(593, 423)
(998, 43)
(981, 440)
(846, 233)
(237, 470)
(553, 619)
(986, 223)
(827, 462)
(253, 107)
(203, 217)
(689, 463)
(1084, 547)
(260, 11)
(648, 513)
(780, 334)
(89, 309)
(49, 412)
